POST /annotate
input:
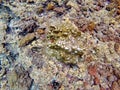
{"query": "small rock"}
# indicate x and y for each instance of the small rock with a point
(92, 70)
(119, 82)
(28, 25)
(89, 58)
(96, 87)
(25, 40)
(97, 81)
(100, 3)
(116, 2)
(12, 79)
(85, 84)
(91, 26)
(50, 6)
(101, 88)
(73, 4)
(115, 86)
(111, 78)
(2, 49)
(117, 73)
(59, 10)
(118, 7)
(62, 88)
(118, 11)
(38, 61)
(110, 6)
(40, 31)
(2, 71)
(39, 10)
(117, 48)
(19, 78)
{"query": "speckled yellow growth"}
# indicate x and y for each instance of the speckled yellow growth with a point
(61, 35)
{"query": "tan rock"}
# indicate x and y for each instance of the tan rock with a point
(91, 26)
(115, 86)
(40, 31)
(50, 6)
(117, 48)
(25, 40)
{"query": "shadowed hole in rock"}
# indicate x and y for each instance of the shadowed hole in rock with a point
(55, 85)
(29, 27)
(8, 30)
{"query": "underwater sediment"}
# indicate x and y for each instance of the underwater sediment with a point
(59, 45)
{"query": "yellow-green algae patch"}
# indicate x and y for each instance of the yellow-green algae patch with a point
(63, 42)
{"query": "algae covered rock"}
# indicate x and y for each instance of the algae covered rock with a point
(63, 30)
(63, 42)
(19, 79)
